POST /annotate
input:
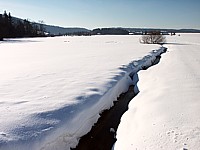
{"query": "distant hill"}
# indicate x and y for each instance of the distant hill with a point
(138, 31)
(56, 30)
(168, 30)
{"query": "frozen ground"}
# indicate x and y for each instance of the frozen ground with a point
(53, 89)
(166, 113)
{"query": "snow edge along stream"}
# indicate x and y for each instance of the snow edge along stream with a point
(109, 120)
(63, 138)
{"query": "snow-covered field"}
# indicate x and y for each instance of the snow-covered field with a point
(53, 89)
(166, 113)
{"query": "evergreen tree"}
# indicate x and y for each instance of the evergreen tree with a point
(1, 27)
(19, 28)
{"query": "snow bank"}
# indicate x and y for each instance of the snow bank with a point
(165, 114)
(89, 116)
(53, 89)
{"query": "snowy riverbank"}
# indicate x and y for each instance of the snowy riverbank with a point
(165, 113)
(53, 89)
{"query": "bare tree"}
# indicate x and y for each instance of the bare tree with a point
(42, 29)
(153, 37)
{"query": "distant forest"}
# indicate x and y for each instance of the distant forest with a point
(12, 28)
(110, 31)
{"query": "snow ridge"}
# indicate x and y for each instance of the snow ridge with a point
(143, 64)
(85, 122)
(108, 122)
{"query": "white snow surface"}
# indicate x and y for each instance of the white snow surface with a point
(52, 90)
(166, 112)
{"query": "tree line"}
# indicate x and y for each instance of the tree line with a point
(109, 31)
(15, 28)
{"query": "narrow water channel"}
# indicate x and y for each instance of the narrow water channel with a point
(102, 134)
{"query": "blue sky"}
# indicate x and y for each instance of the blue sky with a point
(108, 13)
